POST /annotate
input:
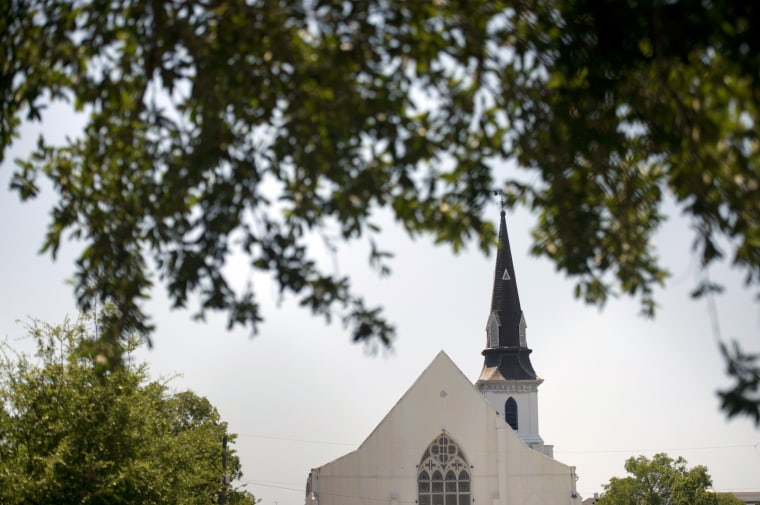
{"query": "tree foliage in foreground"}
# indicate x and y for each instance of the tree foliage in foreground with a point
(74, 431)
(216, 128)
(663, 480)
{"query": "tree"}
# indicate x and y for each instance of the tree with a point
(662, 480)
(728, 499)
(74, 431)
(229, 127)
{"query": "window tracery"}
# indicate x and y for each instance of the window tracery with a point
(443, 475)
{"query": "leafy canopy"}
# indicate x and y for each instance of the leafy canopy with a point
(663, 480)
(74, 431)
(219, 128)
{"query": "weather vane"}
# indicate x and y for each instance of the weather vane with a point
(502, 198)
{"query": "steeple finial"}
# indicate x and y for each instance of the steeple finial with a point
(502, 199)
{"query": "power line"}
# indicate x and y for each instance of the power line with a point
(256, 483)
(286, 439)
(666, 449)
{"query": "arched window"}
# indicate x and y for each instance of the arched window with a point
(510, 413)
(443, 476)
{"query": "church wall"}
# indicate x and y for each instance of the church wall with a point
(537, 479)
(384, 468)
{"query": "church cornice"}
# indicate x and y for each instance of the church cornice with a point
(509, 387)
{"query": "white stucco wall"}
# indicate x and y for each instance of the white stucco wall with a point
(384, 468)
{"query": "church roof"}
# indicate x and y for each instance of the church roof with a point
(442, 378)
(507, 356)
(431, 404)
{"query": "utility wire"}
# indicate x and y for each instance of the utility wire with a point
(286, 439)
(256, 483)
(667, 449)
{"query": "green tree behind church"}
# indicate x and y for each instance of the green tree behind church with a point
(74, 431)
(663, 480)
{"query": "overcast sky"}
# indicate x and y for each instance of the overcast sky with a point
(300, 394)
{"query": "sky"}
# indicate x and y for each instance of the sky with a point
(299, 394)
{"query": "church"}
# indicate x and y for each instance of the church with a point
(449, 442)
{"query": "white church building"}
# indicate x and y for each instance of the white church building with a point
(449, 442)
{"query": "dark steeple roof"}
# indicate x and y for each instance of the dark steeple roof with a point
(509, 354)
(505, 299)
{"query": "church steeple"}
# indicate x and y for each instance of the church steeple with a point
(506, 347)
(508, 380)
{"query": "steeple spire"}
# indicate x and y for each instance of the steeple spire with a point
(505, 300)
(506, 347)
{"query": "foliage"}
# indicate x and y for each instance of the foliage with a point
(728, 499)
(744, 396)
(217, 128)
(661, 480)
(73, 431)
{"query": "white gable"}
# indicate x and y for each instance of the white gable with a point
(384, 467)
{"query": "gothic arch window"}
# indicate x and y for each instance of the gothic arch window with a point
(510, 413)
(443, 475)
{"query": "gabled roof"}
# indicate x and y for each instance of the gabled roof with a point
(441, 364)
(432, 404)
